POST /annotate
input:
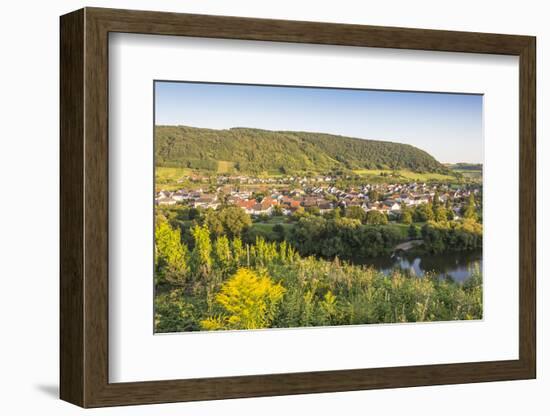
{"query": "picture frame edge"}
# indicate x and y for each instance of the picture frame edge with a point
(84, 211)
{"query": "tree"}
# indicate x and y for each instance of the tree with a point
(239, 252)
(308, 232)
(435, 202)
(248, 300)
(173, 313)
(470, 208)
(234, 220)
(333, 214)
(194, 213)
(313, 210)
(412, 232)
(434, 238)
(224, 198)
(258, 196)
(376, 218)
(277, 210)
(280, 231)
(298, 214)
(440, 214)
(374, 195)
(406, 215)
(423, 213)
(201, 254)
(223, 252)
(170, 254)
(450, 213)
(356, 212)
(213, 222)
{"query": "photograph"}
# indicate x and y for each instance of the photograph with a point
(298, 206)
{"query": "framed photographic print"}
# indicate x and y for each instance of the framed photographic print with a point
(262, 207)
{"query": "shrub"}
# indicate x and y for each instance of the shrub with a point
(248, 301)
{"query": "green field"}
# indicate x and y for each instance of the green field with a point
(167, 178)
(475, 175)
(405, 174)
(225, 166)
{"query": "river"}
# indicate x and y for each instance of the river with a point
(458, 266)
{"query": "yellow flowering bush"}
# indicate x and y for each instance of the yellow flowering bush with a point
(248, 300)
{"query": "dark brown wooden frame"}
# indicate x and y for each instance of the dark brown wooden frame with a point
(84, 209)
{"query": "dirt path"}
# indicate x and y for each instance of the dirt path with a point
(407, 245)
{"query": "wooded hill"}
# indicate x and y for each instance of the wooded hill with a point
(254, 151)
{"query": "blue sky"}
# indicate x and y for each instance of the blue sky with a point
(448, 126)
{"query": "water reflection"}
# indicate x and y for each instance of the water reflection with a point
(457, 266)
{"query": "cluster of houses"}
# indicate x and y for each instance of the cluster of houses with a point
(322, 197)
(253, 180)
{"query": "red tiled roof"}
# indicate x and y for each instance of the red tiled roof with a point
(248, 204)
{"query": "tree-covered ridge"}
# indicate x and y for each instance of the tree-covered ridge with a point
(246, 150)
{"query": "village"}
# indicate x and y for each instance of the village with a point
(285, 196)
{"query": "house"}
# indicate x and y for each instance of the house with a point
(165, 201)
(164, 194)
(325, 206)
(206, 201)
(268, 201)
(309, 202)
(264, 208)
(392, 205)
(180, 195)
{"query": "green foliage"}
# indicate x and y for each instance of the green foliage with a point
(412, 232)
(423, 213)
(248, 300)
(469, 211)
(277, 211)
(440, 214)
(229, 220)
(201, 255)
(376, 218)
(313, 210)
(279, 289)
(223, 252)
(374, 195)
(213, 222)
(435, 202)
(279, 230)
(225, 283)
(238, 251)
(406, 216)
(257, 151)
(342, 237)
(356, 212)
(333, 214)
(173, 313)
(171, 256)
(452, 236)
(234, 220)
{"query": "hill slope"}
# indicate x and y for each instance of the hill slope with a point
(254, 151)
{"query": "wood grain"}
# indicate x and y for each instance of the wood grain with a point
(71, 100)
(84, 207)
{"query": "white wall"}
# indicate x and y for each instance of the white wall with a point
(29, 231)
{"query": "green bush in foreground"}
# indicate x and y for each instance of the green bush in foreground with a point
(247, 301)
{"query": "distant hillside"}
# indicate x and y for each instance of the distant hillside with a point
(465, 166)
(254, 151)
